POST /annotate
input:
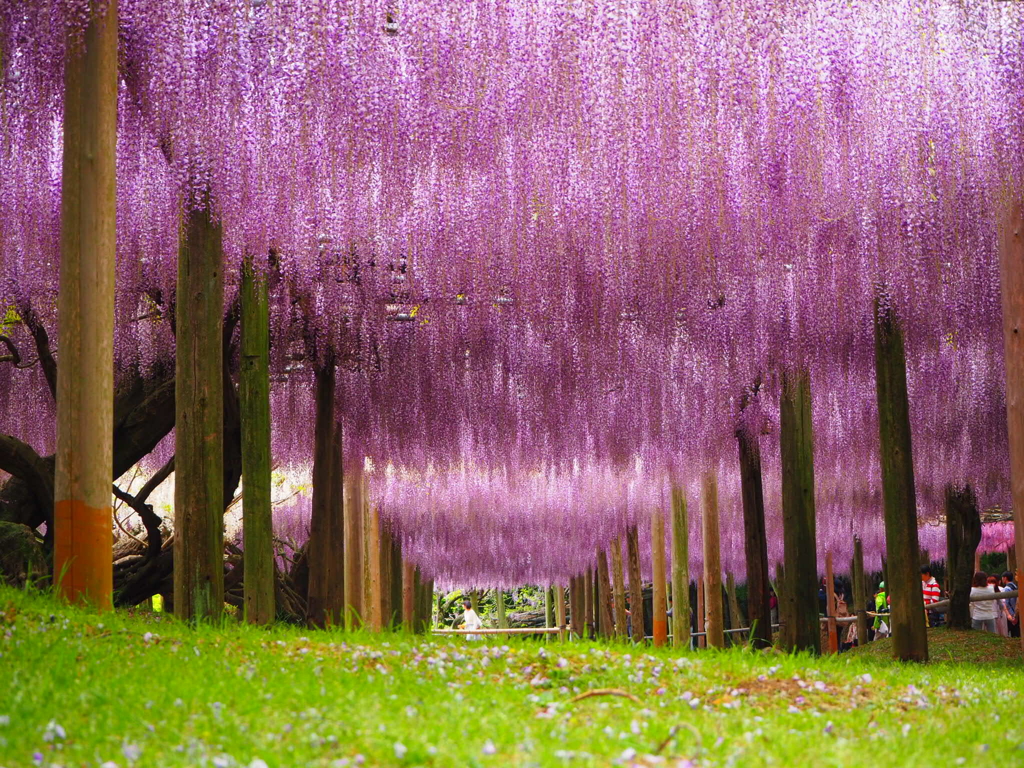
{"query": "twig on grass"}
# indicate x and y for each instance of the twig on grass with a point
(672, 734)
(605, 692)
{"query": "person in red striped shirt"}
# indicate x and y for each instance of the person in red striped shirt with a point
(930, 591)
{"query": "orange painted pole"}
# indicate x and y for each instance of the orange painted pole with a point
(83, 528)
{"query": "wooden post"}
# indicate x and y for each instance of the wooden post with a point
(83, 543)
(680, 570)
(385, 549)
(560, 610)
(588, 603)
(374, 608)
(830, 608)
(860, 592)
(618, 589)
(354, 513)
(606, 623)
(801, 631)
(1011, 274)
(549, 607)
(327, 511)
(636, 592)
(963, 534)
(909, 628)
(474, 601)
(1011, 560)
(199, 422)
(659, 623)
(736, 620)
(755, 540)
(499, 598)
(396, 580)
(408, 596)
(712, 561)
(254, 403)
(702, 639)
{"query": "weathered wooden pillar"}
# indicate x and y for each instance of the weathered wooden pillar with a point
(574, 612)
(659, 623)
(830, 608)
(712, 561)
(604, 592)
(1011, 559)
(499, 598)
(860, 592)
(254, 404)
(355, 546)
(909, 627)
(396, 580)
(963, 534)
(408, 596)
(326, 577)
(736, 619)
(1011, 273)
(618, 589)
(549, 607)
(375, 616)
(680, 570)
(83, 543)
(636, 590)
(385, 549)
(801, 631)
(559, 591)
(588, 603)
(755, 540)
(474, 600)
(199, 421)
(702, 638)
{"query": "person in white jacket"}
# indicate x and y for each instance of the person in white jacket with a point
(983, 612)
(471, 620)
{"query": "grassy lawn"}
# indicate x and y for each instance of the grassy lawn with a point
(82, 689)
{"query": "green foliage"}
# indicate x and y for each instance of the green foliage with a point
(82, 688)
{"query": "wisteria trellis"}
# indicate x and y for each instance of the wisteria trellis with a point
(554, 244)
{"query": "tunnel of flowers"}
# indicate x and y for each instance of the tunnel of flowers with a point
(536, 276)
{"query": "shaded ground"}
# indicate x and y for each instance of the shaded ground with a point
(959, 646)
(80, 689)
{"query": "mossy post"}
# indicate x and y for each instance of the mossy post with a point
(714, 613)
(618, 589)
(755, 540)
(325, 563)
(559, 591)
(860, 592)
(680, 570)
(702, 638)
(83, 546)
(659, 622)
(199, 420)
(909, 628)
(499, 601)
(636, 591)
(1011, 277)
(254, 402)
(549, 607)
(374, 568)
(800, 631)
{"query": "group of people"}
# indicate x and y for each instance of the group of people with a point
(995, 615)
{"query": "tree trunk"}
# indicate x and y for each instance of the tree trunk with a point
(1011, 272)
(714, 625)
(680, 570)
(254, 392)
(326, 577)
(909, 629)
(755, 540)
(83, 560)
(801, 631)
(659, 623)
(963, 534)
(618, 589)
(199, 436)
(636, 593)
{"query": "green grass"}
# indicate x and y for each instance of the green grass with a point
(81, 689)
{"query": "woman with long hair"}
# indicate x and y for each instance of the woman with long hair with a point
(983, 612)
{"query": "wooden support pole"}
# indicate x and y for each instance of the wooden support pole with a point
(702, 640)
(830, 608)
(396, 580)
(199, 421)
(860, 592)
(549, 607)
(385, 549)
(83, 543)
(375, 591)
(618, 589)
(1011, 275)
(801, 630)
(355, 547)
(408, 596)
(736, 620)
(715, 627)
(604, 591)
(588, 603)
(559, 591)
(499, 599)
(659, 623)
(680, 570)
(755, 540)
(636, 592)
(909, 627)
(326, 514)
(254, 404)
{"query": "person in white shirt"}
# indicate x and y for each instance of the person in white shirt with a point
(471, 620)
(983, 612)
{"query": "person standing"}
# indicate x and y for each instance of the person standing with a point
(471, 619)
(1001, 630)
(880, 626)
(1012, 617)
(983, 612)
(931, 592)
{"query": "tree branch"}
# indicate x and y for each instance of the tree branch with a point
(150, 519)
(42, 340)
(20, 460)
